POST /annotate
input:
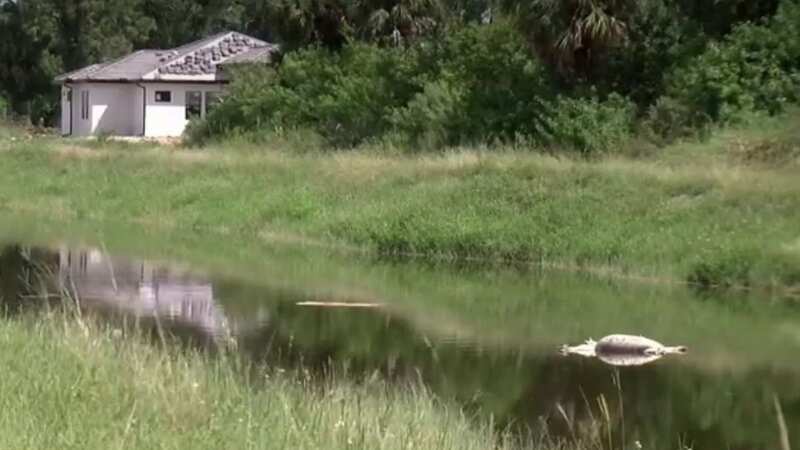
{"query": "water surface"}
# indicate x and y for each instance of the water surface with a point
(485, 337)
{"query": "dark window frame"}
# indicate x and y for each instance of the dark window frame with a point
(193, 110)
(85, 105)
(163, 96)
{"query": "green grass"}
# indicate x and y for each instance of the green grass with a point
(722, 212)
(85, 386)
(516, 319)
(694, 209)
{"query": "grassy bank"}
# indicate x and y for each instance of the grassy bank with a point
(722, 212)
(83, 385)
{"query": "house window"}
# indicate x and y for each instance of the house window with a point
(212, 100)
(194, 104)
(163, 97)
(85, 105)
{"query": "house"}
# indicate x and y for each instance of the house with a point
(142, 289)
(154, 93)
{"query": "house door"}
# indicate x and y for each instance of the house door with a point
(66, 111)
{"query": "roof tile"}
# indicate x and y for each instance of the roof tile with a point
(194, 59)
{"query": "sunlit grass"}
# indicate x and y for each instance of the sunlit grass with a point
(696, 212)
(78, 384)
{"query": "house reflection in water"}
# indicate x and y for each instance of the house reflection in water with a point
(142, 289)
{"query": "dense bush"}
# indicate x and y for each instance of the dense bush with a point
(484, 84)
(658, 39)
(479, 84)
(484, 87)
(3, 107)
(755, 68)
(588, 125)
(346, 96)
(434, 117)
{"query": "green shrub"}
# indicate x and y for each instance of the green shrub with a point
(588, 125)
(3, 108)
(477, 84)
(755, 68)
(346, 97)
(505, 88)
(669, 119)
(434, 117)
(483, 87)
(723, 270)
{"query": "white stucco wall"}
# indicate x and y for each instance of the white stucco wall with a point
(116, 108)
(110, 109)
(169, 119)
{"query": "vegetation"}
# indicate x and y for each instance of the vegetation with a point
(503, 133)
(89, 386)
(481, 83)
(515, 319)
(421, 74)
(3, 107)
(719, 213)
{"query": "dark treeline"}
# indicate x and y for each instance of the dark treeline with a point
(580, 74)
(40, 39)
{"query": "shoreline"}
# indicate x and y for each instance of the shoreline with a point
(691, 215)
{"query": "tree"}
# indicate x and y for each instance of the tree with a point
(39, 40)
(572, 34)
(396, 19)
(332, 22)
(180, 21)
(302, 22)
(27, 61)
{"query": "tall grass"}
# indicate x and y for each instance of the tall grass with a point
(80, 384)
(698, 212)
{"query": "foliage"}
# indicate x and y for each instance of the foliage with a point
(659, 37)
(572, 33)
(716, 18)
(477, 84)
(651, 216)
(486, 87)
(755, 68)
(3, 107)
(97, 386)
(669, 119)
(434, 72)
(39, 40)
(346, 96)
(396, 20)
(177, 22)
(623, 46)
(589, 125)
(435, 116)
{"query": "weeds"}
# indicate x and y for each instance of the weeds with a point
(697, 213)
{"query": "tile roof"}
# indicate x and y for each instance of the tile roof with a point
(261, 54)
(196, 59)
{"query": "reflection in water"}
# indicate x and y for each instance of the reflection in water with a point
(522, 385)
(623, 350)
(141, 288)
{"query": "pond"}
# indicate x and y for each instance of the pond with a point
(486, 337)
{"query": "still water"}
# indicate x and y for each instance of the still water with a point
(485, 337)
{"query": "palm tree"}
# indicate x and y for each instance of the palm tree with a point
(572, 33)
(395, 19)
(300, 22)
